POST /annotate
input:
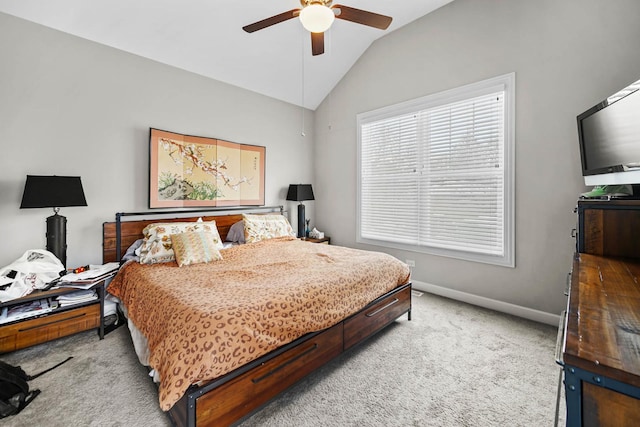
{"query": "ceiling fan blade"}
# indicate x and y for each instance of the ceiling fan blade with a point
(317, 43)
(276, 19)
(363, 17)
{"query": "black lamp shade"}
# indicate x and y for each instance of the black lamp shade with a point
(52, 192)
(300, 192)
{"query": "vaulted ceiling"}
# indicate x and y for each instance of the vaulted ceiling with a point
(206, 37)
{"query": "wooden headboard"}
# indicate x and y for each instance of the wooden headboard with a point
(130, 231)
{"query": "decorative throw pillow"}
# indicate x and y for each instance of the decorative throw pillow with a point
(236, 233)
(157, 246)
(194, 247)
(262, 227)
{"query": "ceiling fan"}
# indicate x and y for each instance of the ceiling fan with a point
(318, 15)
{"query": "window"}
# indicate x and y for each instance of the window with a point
(436, 173)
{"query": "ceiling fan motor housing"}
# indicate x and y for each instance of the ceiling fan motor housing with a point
(306, 3)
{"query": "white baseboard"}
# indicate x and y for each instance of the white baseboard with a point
(503, 307)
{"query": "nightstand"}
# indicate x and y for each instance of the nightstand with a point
(325, 240)
(57, 323)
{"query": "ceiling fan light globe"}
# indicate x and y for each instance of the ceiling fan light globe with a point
(317, 18)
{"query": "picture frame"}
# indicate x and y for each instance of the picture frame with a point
(194, 172)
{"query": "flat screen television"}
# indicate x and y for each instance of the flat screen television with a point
(609, 136)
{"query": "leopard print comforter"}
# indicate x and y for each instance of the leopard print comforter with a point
(205, 320)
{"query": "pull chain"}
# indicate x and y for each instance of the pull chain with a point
(302, 89)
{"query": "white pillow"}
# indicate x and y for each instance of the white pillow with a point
(263, 227)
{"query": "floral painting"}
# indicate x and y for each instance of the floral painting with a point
(193, 171)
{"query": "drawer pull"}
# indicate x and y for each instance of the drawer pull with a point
(52, 322)
(285, 364)
(395, 300)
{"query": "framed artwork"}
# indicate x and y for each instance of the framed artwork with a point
(192, 171)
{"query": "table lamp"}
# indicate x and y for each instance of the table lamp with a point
(299, 193)
(54, 192)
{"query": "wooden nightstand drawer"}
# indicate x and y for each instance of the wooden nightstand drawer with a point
(35, 331)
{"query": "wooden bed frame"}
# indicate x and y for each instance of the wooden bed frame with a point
(233, 397)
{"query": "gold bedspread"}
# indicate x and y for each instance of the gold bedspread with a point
(205, 320)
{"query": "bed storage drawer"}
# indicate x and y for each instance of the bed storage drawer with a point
(35, 331)
(231, 401)
(377, 316)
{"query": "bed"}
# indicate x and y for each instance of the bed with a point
(227, 336)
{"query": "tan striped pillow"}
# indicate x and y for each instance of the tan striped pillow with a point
(194, 247)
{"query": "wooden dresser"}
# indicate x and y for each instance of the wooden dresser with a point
(601, 340)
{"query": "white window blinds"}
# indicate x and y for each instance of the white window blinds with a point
(433, 175)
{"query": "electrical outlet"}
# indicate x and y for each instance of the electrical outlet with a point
(411, 262)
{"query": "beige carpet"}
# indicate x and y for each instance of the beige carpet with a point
(452, 365)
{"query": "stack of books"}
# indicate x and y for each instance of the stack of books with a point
(77, 297)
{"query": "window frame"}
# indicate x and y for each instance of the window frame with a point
(504, 82)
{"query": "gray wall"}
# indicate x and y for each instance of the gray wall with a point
(73, 107)
(567, 55)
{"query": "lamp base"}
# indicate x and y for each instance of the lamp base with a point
(57, 237)
(301, 233)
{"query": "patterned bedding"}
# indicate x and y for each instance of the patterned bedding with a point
(205, 320)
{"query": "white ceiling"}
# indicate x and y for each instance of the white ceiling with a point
(206, 37)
